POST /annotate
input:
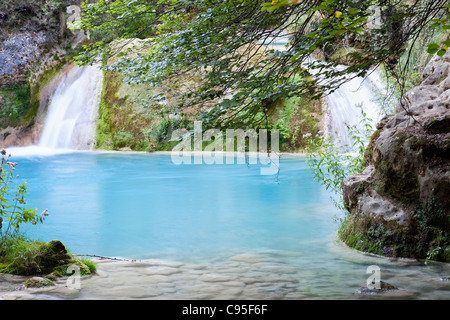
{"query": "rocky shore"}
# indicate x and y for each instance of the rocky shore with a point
(399, 204)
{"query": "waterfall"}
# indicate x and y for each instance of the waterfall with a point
(347, 104)
(70, 122)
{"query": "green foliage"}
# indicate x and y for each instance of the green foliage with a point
(122, 139)
(111, 20)
(21, 256)
(297, 120)
(161, 133)
(441, 48)
(13, 209)
(15, 102)
(199, 38)
(330, 166)
(88, 266)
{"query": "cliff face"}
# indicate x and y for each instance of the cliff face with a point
(33, 44)
(399, 205)
(31, 36)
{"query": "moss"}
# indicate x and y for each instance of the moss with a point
(431, 224)
(121, 123)
(400, 183)
(16, 105)
(20, 104)
(368, 154)
(378, 236)
(426, 237)
(24, 257)
(295, 117)
(38, 283)
(36, 87)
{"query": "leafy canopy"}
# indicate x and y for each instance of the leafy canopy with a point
(223, 48)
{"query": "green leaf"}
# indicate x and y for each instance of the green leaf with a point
(441, 52)
(433, 48)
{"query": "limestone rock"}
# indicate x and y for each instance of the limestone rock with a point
(384, 287)
(403, 192)
(38, 282)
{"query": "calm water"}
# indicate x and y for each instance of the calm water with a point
(142, 206)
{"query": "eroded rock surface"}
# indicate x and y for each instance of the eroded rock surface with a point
(400, 204)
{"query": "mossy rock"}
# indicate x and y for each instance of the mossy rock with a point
(38, 258)
(38, 282)
(384, 288)
(59, 251)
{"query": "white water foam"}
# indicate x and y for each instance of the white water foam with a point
(73, 111)
(347, 104)
(70, 122)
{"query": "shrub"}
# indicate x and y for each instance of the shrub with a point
(19, 255)
(13, 210)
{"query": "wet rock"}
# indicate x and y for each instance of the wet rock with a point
(59, 251)
(438, 125)
(403, 192)
(38, 282)
(384, 288)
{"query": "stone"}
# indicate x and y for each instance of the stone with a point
(438, 125)
(38, 282)
(59, 250)
(353, 184)
(384, 287)
(371, 203)
(400, 202)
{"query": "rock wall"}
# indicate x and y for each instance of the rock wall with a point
(34, 40)
(400, 205)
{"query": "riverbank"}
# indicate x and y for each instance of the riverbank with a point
(41, 151)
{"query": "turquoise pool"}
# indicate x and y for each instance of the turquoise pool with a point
(143, 206)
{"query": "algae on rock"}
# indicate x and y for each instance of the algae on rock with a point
(399, 205)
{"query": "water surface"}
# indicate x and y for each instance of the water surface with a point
(143, 206)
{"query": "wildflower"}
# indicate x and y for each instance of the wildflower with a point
(338, 14)
(274, 2)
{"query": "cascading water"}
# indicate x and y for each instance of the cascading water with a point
(348, 103)
(353, 107)
(73, 111)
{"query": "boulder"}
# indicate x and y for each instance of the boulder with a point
(384, 288)
(38, 282)
(399, 204)
(58, 252)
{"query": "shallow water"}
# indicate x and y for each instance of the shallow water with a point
(205, 231)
